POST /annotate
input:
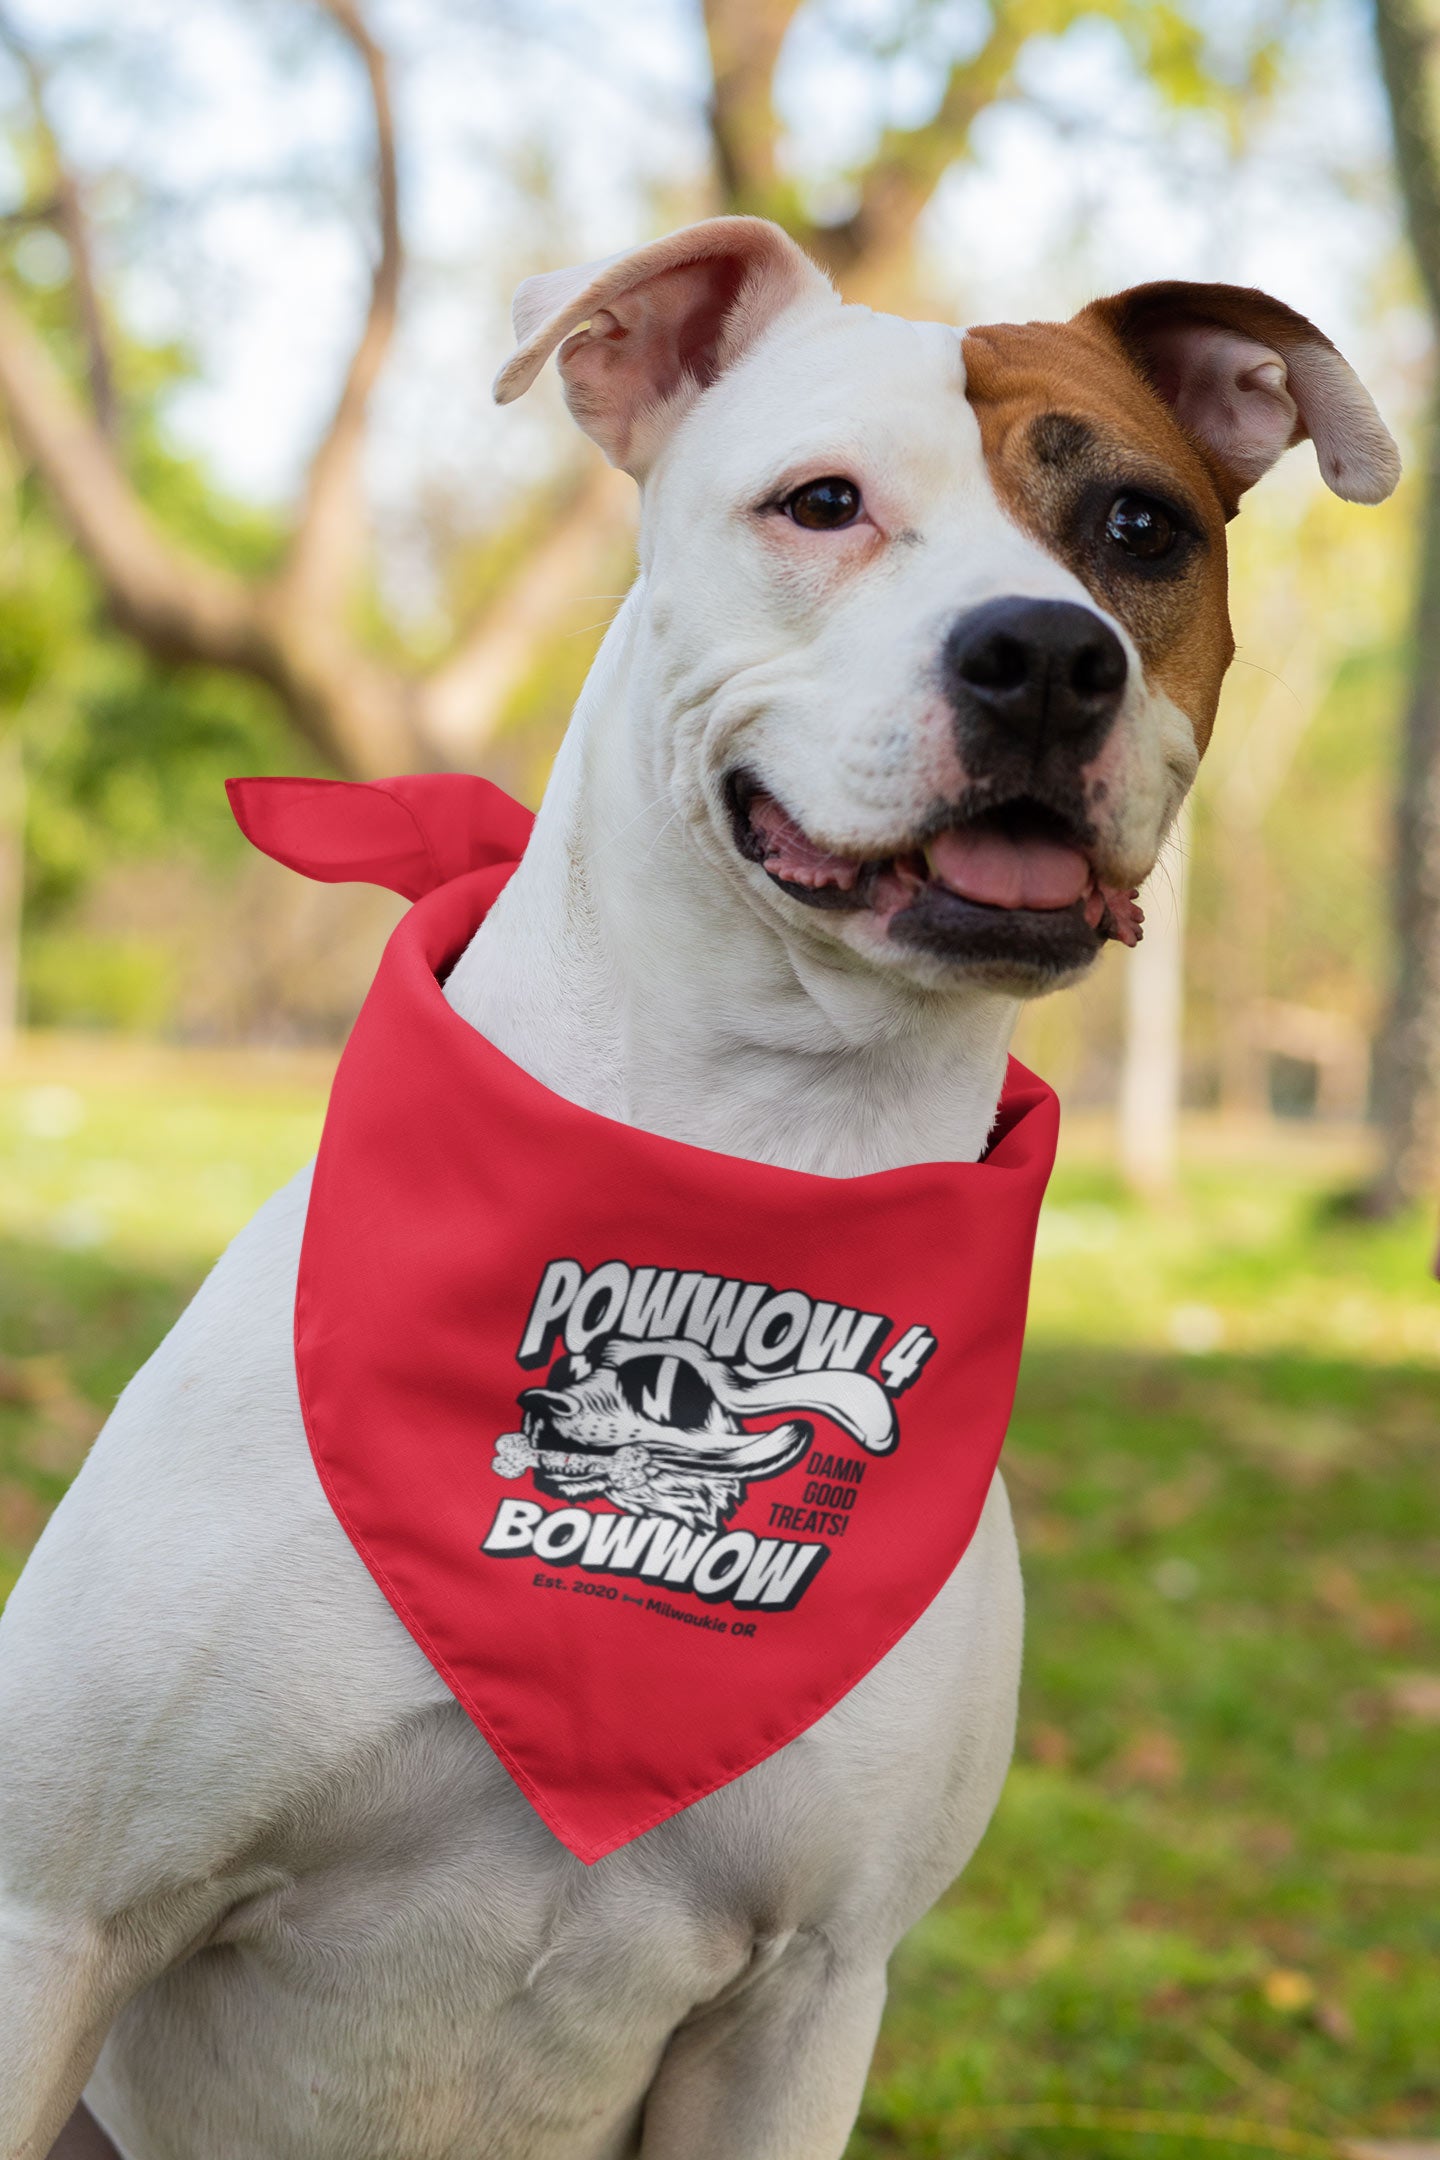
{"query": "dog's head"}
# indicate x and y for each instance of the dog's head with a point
(658, 1425)
(933, 624)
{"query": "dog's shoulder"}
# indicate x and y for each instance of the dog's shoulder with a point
(194, 1618)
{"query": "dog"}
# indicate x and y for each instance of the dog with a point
(655, 1427)
(924, 647)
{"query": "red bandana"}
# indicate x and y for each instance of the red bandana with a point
(654, 1451)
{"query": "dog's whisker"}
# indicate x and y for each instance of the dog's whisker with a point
(611, 839)
(649, 852)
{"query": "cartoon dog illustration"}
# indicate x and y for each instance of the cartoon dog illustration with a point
(657, 1427)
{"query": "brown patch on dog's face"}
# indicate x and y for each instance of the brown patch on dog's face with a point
(1084, 457)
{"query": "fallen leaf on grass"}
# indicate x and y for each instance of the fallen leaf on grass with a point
(1053, 1946)
(43, 1384)
(1380, 1623)
(22, 1516)
(1268, 1841)
(1386, 1625)
(1168, 1999)
(1168, 1506)
(1150, 1757)
(1335, 2021)
(1391, 2149)
(1398, 1871)
(1040, 1531)
(1366, 1707)
(58, 1450)
(1415, 1695)
(1028, 1473)
(1288, 1991)
(1050, 1746)
(1301, 1447)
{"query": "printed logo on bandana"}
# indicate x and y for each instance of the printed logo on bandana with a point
(661, 1396)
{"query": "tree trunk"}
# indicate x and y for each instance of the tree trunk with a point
(1244, 945)
(12, 883)
(1407, 1050)
(1151, 1073)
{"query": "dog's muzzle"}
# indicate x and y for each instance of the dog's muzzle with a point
(1035, 686)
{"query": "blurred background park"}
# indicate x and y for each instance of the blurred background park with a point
(258, 514)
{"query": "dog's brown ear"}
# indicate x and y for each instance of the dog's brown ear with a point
(1247, 377)
(642, 333)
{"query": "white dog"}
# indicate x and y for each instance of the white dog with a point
(924, 647)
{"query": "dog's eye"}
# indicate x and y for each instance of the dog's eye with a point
(824, 505)
(1142, 526)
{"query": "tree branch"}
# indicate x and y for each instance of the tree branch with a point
(862, 250)
(292, 632)
(1406, 33)
(354, 712)
(67, 213)
(175, 605)
(330, 533)
(910, 163)
(463, 701)
(745, 37)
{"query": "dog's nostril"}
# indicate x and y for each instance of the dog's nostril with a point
(996, 663)
(1098, 668)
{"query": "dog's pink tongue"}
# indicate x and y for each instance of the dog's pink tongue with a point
(1004, 873)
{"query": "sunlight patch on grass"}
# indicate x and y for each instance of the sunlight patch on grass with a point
(1254, 1252)
(145, 1153)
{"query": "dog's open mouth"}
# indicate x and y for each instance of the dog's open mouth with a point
(1013, 881)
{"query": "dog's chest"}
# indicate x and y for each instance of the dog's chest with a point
(430, 1967)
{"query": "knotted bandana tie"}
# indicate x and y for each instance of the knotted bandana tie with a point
(655, 1452)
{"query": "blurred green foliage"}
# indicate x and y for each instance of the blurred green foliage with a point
(124, 760)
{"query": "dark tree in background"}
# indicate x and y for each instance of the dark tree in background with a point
(1408, 1048)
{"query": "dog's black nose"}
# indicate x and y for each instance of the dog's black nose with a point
(1040, 672)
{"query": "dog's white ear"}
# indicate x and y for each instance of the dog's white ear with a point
(1247, 377)
(641, 334)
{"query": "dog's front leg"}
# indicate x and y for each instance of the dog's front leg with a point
(60, 1988)
(52, 2022)
(775, 2070)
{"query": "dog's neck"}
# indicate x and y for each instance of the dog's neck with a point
(628, 971)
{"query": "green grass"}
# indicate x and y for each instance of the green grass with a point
(1208, 1905)
(123, 1172)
